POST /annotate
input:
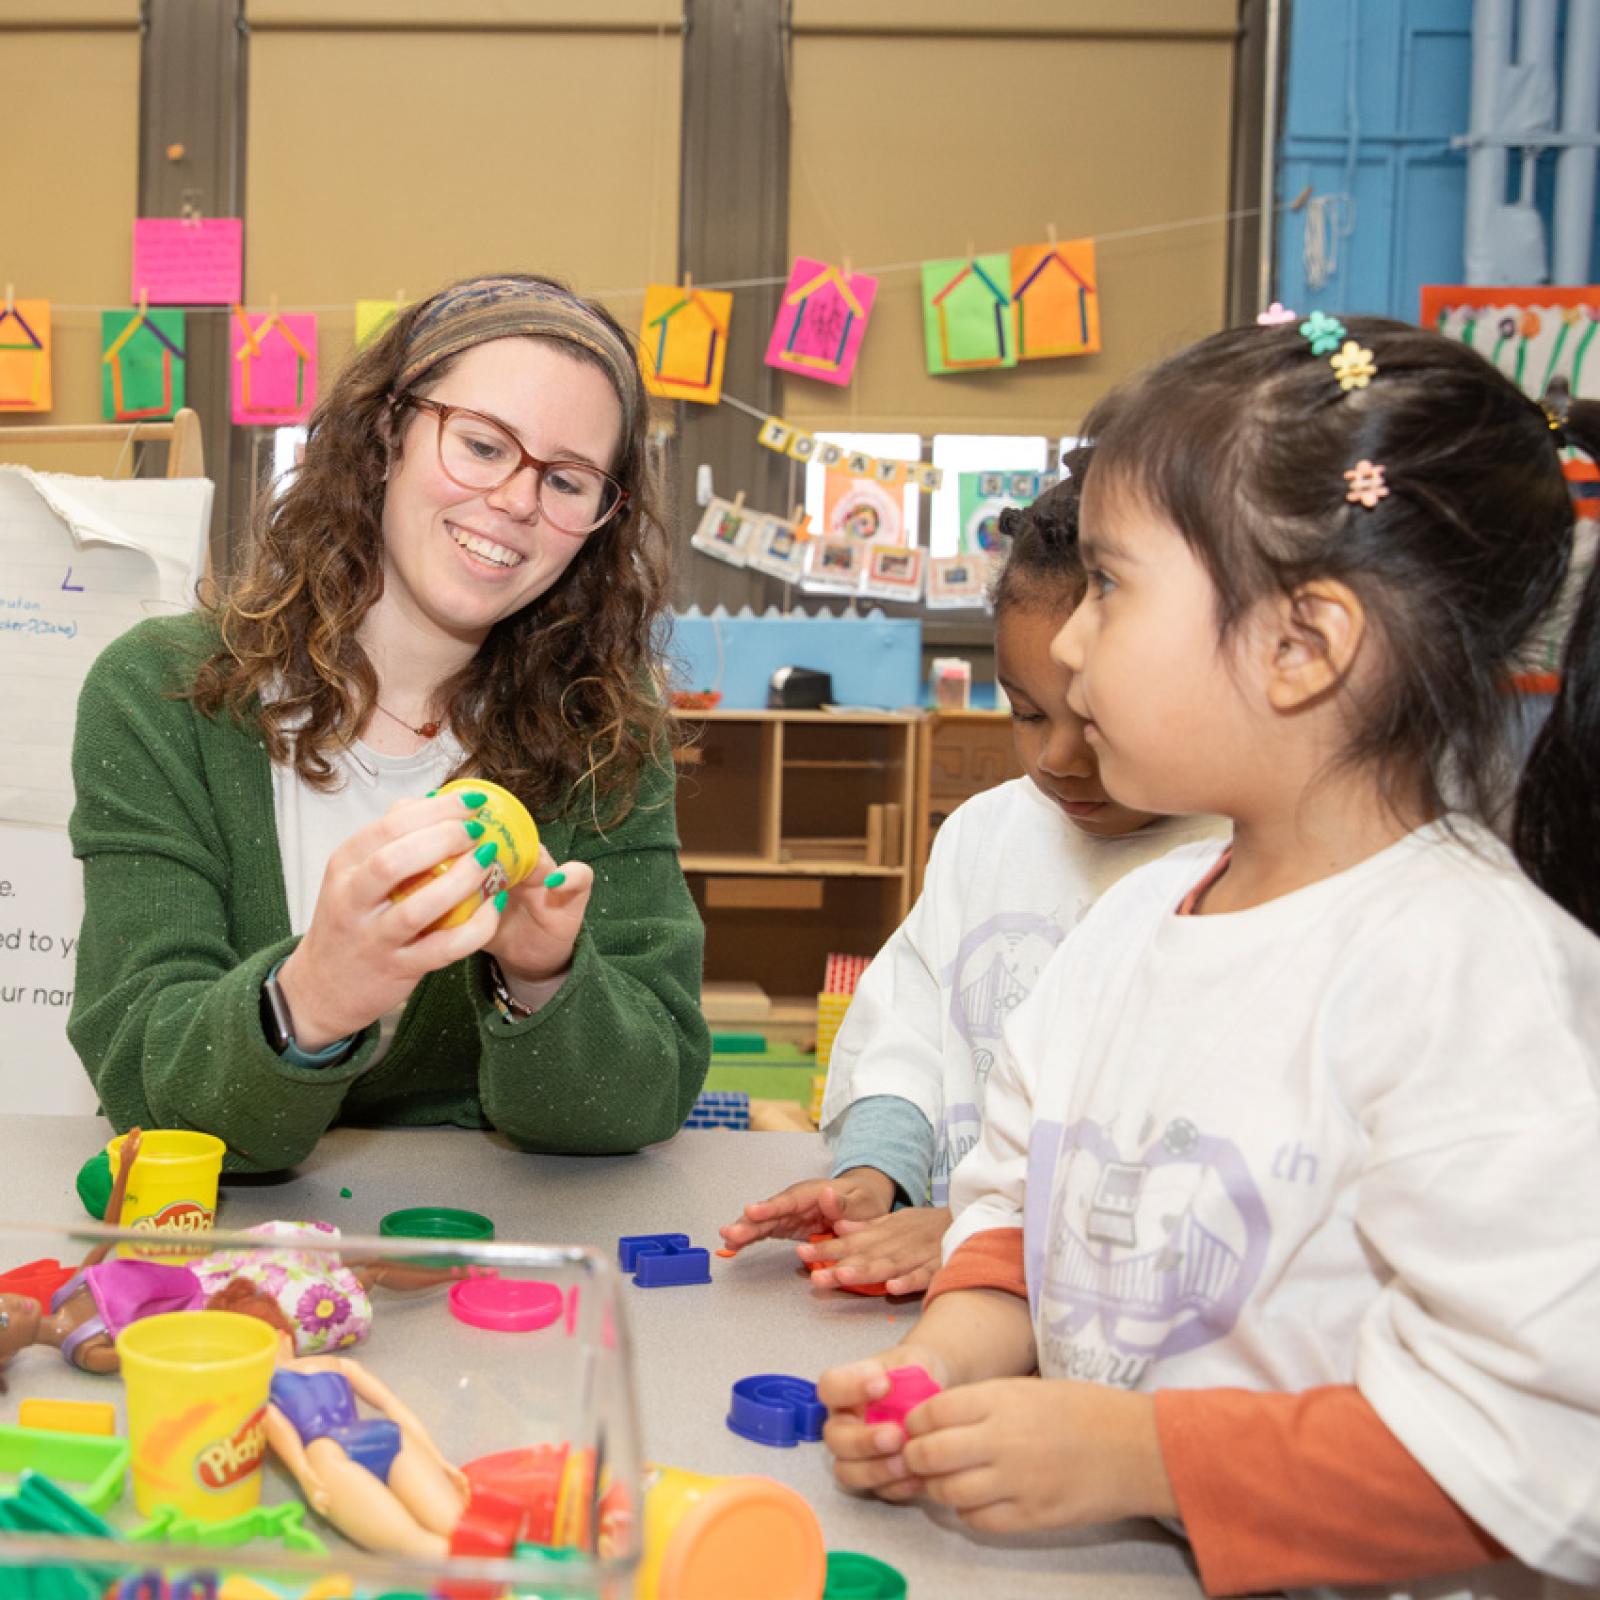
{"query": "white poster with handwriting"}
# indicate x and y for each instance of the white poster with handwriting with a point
(81, 561)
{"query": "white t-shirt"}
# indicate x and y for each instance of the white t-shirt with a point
(1351, 1135)
(1008, 876)
(313, 823)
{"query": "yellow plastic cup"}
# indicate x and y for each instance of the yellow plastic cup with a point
(708, 1538)
(197, 1384)
(172, 1189)
(505, 820)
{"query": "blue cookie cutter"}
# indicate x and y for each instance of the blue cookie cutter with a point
(658, 1260)
(773, 1408)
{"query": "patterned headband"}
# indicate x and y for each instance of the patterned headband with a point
(482, 309)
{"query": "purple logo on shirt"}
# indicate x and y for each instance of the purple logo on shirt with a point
(996, 966)
(1161, 1248)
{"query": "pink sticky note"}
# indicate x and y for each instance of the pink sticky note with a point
(179, 262)
(821, 320)
(273, 366)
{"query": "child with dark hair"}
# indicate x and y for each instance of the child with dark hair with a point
(1287, 1183)
(1011, 871)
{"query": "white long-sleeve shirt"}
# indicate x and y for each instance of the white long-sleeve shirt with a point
(1351, 1135)
(1008, 876)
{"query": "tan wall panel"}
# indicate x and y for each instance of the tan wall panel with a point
(458, 14)
(907, 149)
(71, 192)
(1219, 18)
(67, 14)
(546, 152)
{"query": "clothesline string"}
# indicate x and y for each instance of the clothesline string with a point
(892, 269)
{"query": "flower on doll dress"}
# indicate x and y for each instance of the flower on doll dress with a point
(321, 1308)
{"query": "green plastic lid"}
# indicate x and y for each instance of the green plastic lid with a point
(852, 1576)
(436, 1222)
(94, 1184)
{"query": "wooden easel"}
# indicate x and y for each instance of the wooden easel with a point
(185, 458)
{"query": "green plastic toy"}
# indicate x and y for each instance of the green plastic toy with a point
(94, 1465)
(852, 1576)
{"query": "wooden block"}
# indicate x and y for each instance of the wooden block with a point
(763, 894)
(893, 828)
(875, 843)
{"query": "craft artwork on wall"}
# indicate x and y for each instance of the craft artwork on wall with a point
(821, 321)
(956, 582)
(861, 509)
(683, 341)
(188, 261)
(892, 572)
(24, 355)
(1057, 303)
(779, 547)
(725, 530)
(373, 317)
(274, 368)
(984, 495)
(969, 322)
(142, 364)
(800, 445)
(833, 566)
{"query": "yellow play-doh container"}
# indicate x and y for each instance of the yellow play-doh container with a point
(709, 1538)
(506, 821)
(172, 1189)
(197, 1385)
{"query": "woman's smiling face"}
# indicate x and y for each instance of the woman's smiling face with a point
(457, 561)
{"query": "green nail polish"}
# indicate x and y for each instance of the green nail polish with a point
(473, 798)
(485, 853)
(430, 794)
(555, 880)
(500, 901)
(475, 829)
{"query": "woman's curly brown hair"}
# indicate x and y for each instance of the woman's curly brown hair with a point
(564, 691)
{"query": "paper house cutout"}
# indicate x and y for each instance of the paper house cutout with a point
(142, 364)
(274, 368)
(968, 316)
(821, 321)
(25, 356)
(683, 342)
(1057, 304)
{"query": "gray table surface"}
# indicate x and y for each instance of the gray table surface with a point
(690, 1343)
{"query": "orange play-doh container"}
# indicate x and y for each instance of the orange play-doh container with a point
(506, 821)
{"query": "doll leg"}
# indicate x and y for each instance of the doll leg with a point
(366, 1510)
(429, 1494)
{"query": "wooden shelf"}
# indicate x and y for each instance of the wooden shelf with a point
(831, 718)
(760, 866)
(805, 764)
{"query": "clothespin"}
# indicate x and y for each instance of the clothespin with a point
(688, 283)
(972, 252)
(847, 269)
(1050, 233)
(801, 523)
(738, 501)
(11, 300)
(144, 304)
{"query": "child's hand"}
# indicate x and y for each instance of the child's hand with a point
(535, 937)
(870, 1459)
(900, 1250)
(1012, 1454)
(814, 1206)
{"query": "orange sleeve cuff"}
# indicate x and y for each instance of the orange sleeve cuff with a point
(988, 1260)
(1287, 1491)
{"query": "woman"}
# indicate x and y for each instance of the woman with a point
(463, 578)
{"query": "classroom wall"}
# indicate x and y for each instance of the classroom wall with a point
(71, 90)
(919, 130)
(393, 146)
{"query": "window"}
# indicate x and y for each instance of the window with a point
(975, 452)
(891, 446)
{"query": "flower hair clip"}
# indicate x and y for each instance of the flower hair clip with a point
(1275, 315)
(1353, 364)
(1367, 484)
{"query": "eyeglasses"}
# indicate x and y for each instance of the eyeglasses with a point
(481, 454)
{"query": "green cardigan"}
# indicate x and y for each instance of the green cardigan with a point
(185, 914)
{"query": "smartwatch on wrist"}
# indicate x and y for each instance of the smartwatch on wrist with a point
(278, 1026)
